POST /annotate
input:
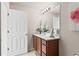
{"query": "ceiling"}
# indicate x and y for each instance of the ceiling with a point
(41, 5)
(31, 3)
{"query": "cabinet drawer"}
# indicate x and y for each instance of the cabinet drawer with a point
(43, 41)
(44, 48)
(43, 54)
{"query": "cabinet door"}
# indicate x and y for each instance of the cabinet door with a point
(34, 42)
(52, 48)
(39, 45)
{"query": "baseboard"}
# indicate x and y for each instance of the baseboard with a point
(26, 52)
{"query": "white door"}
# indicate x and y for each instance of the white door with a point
(17, 32)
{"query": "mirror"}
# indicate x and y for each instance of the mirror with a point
(56, 19)
(50, 20)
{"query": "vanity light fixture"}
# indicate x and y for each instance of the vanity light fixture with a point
(46, 10)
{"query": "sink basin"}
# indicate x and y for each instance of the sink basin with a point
(45, 34)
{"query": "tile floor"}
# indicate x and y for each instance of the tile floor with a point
(32, 53)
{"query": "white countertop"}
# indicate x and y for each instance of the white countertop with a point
(47, 38)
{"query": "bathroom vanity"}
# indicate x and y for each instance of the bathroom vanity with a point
(46, 46)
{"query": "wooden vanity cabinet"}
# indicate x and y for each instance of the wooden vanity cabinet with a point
(52, 48)
(46, 47)
(34, 42)
(39, 45)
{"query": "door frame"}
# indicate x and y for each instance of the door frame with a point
(4, 12)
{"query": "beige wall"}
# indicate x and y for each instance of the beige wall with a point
(69, 43)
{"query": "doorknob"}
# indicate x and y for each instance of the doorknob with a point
(8, 31)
